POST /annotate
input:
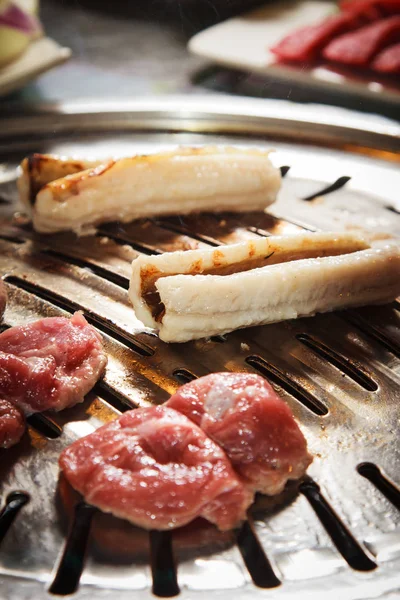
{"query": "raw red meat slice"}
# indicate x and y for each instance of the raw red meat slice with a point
(359, 47)
(50, 364)
(155, 468)
(388, 61)
(12, 424)
(3, 298)
(372, 9)
(306, 43)
(243, 414)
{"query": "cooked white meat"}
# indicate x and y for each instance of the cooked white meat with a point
(198, 293)
(38, 170)
(183, 181)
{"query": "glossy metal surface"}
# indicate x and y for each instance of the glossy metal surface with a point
(47, 275)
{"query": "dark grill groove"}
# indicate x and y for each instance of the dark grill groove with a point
(14, 502)
(72, 561)
(163, 568)
(339, 361)
(290, 386)
(344, 541)
(336, 185)
(386, 487)
(68, 305)
(45, 426)
(255, 558)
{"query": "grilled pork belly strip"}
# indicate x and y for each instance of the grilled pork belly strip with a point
(182, 181)
(198, 293)
(38, 170)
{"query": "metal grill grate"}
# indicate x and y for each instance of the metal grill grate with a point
(337, 534)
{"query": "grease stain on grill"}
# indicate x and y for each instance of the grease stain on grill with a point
(72, 562)
(255, 559)
(387, 488)
(163, 568)
(340, 362)
(14, 502)
(45, 426)
(336, 185)
(184, 376)
(344, 541)
(297, 391)
(93, 268)
(102, 324)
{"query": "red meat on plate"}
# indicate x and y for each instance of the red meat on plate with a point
(155, 468)
(358, 48)
(256, 428)
(305, 44)
(50, 364)
(12, 424)
(388, 61)
(371, 9)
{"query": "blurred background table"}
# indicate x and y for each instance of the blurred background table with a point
(125, 50)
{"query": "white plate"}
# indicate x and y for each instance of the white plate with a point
(40, 56)
(243, 43)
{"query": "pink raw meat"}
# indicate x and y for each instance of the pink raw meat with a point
(50, 364)
(243, 414)
(305, 44)
(388, 61)
(155, 468)
(372, 9)
(359, 47)
(12, 424)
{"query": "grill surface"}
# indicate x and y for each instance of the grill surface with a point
(339, 534)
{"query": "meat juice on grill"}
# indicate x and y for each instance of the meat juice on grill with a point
(243, 414)
(50, 363)
(157, 469)
(12, 424)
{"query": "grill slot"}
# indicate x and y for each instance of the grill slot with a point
(114, 398)
(115, 278)
(340, 362)
(184, 376)
(163, 568)
(344, 541)
(374, 475)
(175, 226)
(293, 388)
(70, 569)
(336, 185)
(120, 239)
(14, 502)
(284, 170)
(255, 559)
(373, 332)
(68, 305)
(45, 426)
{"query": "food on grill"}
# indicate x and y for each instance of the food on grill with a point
(38, 170)
(12, 424)
(182, 181)
(359, 47)
(388, 61)
(50, 364)
(242, 414)
(198, 293)
(157, 469)
(3, 298)
(353, 37)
